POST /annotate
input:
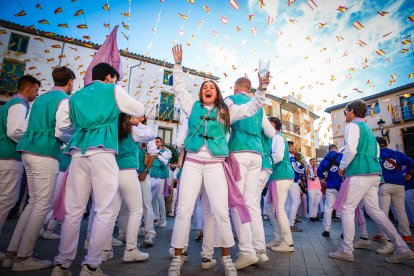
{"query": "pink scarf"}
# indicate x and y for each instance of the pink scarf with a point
(59, 205)
(273, 196)
(341, 198)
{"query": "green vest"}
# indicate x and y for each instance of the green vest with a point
(158, 169)
(246, 133)
(210, 133)
(39, 137)
(267, 160)
(7, 145)
(366, 158)
(141, 159)
(283, 170)
(94, 115)
(64, 161)
(127, 157)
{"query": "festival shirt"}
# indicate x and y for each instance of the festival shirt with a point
(333, 180)
(392, 163)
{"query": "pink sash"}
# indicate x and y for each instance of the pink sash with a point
(234, 165)
(273, 196)
(166, 191)
(59, 205)
(342, 195)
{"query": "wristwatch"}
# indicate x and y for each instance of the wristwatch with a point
(146, 171)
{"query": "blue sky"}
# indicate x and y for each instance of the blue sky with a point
(314, 52)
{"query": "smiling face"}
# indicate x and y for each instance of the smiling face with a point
(208, 93)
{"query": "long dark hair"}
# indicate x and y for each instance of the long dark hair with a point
(222, 109)
(124, 126)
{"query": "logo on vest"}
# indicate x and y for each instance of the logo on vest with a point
(388, 165)
(334, 168)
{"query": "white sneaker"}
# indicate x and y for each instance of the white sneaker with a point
(207, 263)
(58, 271)
(386, 248)
(122, 237)
(362, 244)
(86, 272)
(262, 257)
(115, 242)
(86, 245)
(8, 261)
(399, 257)
(229, 268)
(272, 244)
(50, 235)
(283, 248)
(148, 241)
(245, 260)
(175, 266)
(107, 255)
(162, 224)
(341, 256)
(31, 264)
(134, 256)
(184, 254)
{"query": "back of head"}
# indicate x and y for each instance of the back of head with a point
(332, 147)
(359, 108)
(382, 142)
(242, 84)
(102, 70)
(62, 75)
(26, 81)
(276, 122)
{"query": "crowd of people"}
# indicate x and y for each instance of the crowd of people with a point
(235, 169)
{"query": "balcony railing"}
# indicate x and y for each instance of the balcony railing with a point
(167, 113)
(405, 113)
(288, 126)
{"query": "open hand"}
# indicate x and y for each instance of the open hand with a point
(177, 51)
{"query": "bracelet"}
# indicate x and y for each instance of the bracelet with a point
(178, 62)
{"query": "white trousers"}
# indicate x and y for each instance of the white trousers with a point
(158, 200)
(129, 191)
(173, 200)
(41, 175)
(409, 205)
(362, 226)
(331, 195)
(314, 199)
(208, 228)
(193, 178)
(96, 174)
(249, 185)
(49, 223)
(281, 226)
(198, 213)
(394, 195)
(365, 188)
(10, 176)
(258, 235)
(321, 207)
(292, 203)
(147, 205)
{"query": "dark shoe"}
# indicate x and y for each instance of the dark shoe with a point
(295, 229)
(325, 234)
(298, 220)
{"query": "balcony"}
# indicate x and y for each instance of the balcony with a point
(405, 113)
(167, 113)
(288, 126)
(396, 114)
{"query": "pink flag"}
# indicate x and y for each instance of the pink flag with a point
(107, 53)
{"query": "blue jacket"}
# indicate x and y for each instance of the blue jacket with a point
(297, 168)
(394, 174)
(333, 180)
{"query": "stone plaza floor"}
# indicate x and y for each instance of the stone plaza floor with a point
(310, 256)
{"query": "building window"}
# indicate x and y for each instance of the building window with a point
(373, 108)
(166, 110)
(18, 43)
(407, 106)
(166, 134)
(168, 78)
(11, 71)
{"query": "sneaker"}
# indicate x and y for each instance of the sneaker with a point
(184, 254)
(87, 272)
(115, 242)
(58, 271)
(407, 239)
(295, 229)
(229, 268)
(340, 255)
(199, 235)
(156, 222)
(50, 235)
(107, 255)
(298, 220)
(170, 215)
(208, 263)
(148, 241)
(272, 244)
(162, 224)
(121, 237)
(245, 260)
(175, 266)
(262, 257)
(362, 244)
(386, 248)
(283, 248)
(31, 263)
(86, 245)
(8, 261)
(134, 256)
(325, 234)
(399, 257)
(377, 238)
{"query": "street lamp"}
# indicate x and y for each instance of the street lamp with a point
(386, 134)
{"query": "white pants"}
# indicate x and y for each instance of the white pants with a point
(147, 205)
(281, 227)
(365, 188)
(173, 200)
(249, 185)
(49, 223)
(409, 205)
(394, 195)
(129, 191)
(10, 176)
(212, 177)
(321, 208)
(158, 201)
(293, 202)
(96, 174)
(363, 231)
(314, 198)
(198, 213)
(258, 235)
(331, 195)
(41, 179)
(209, 228)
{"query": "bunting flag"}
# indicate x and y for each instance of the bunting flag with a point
(380, 52)
(82, 26)
(64, 25)
(57, 46)
(234, 4)
(407, 41)
(270, 20)
(191, 1)
(106, 7)
(342, 9)
(254, 31)
(358, 25)
(411, 18)
(361, 43)
(79, 12)
(311, 4)
(108, 53)
(250, 16)
(183, 16)
(38, 6)
(383, 13)
(404, 50)
(126, 14)
(290, 2)
(106, 25)
(43, 21)
(87, 37)
(21, 13)
(261, 3)
(238, 29)
(39, 39)
(58, 10)
(321, 25)
(411, 75)
(125, 25)
(339, 38)
(206, 8)
(224, 20)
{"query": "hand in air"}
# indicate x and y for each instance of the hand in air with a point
(177, 51)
